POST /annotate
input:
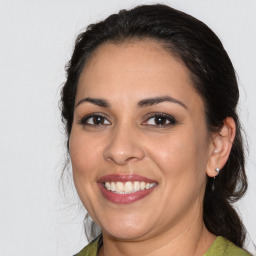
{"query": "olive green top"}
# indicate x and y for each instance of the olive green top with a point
(220, 247)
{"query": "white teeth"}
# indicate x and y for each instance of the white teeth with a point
(119, 187)
(107, 185)
(142, 185)
(136, 186)
(128, 187)
(113, 187)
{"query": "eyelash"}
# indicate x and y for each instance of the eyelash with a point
(84, 120)
(166, 117)
(163, 116)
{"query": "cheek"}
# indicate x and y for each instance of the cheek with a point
(183, 154)
(84, 154)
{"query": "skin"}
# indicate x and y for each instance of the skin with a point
(178, 155)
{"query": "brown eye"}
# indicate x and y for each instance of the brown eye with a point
(95, 120)
(160, 119)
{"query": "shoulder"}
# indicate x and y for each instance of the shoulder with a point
(223, 247)
(91, 249)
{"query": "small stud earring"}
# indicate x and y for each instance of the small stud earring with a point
(213, 186)
(216, 151)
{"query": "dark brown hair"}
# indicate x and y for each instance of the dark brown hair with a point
(214, 78)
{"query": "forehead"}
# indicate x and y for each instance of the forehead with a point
(133, 70)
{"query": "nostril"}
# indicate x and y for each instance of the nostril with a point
(123, 157)
(124, 146)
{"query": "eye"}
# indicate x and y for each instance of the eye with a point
(160, 119)
(94, 120)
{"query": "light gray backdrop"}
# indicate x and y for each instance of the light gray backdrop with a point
(36, 40)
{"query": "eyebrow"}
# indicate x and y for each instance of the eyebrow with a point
(143, 103)
(95, 101)
(157, 100)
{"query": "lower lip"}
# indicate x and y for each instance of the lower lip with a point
(124, 198)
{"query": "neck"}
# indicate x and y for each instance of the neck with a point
(193, 239)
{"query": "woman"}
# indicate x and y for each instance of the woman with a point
(154, 138)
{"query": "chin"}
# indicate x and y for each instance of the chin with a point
(125, 230)
(126, 234)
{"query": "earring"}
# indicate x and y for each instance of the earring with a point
(217, 170)
(213, 187)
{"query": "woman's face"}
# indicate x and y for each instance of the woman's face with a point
(139, 143)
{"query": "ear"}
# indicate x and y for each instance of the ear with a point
(221, 144)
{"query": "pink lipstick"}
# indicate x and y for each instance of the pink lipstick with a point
(125, 189)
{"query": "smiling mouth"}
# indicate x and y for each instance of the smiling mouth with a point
(128, 187)
(125, 189)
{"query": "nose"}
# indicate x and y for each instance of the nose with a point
(124, 146)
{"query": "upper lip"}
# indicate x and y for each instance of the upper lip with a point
(124, 178)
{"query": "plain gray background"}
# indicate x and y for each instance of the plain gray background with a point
(36, 40)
